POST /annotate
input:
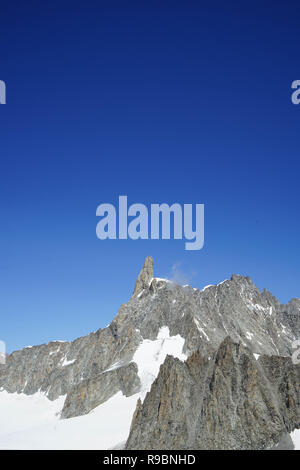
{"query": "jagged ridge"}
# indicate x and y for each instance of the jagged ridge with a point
(230, 401)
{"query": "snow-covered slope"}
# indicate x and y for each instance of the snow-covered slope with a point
(151, 354)
(32, 422)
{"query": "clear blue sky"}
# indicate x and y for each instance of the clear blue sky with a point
(183, 102)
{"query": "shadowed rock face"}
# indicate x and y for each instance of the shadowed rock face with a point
(231, 401)
(285, 443)
(87, 369)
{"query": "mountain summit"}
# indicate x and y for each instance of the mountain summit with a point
(145, 276)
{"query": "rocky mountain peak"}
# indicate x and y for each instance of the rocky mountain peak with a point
(238, 375)
(238, 278)
(145, 277)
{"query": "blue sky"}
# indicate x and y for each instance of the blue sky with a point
(164, 102)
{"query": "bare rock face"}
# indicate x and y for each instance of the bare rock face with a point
(231, 401)
(145, 277)
(58, 367)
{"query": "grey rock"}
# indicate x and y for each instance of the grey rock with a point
(58, 367)
(285, 443)
(231, 401)
(145, 277)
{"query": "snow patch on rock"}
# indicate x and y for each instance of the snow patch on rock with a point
(151, 354)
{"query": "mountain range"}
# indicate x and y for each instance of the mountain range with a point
(177, 368)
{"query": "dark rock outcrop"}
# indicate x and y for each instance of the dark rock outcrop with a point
(231, 401)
